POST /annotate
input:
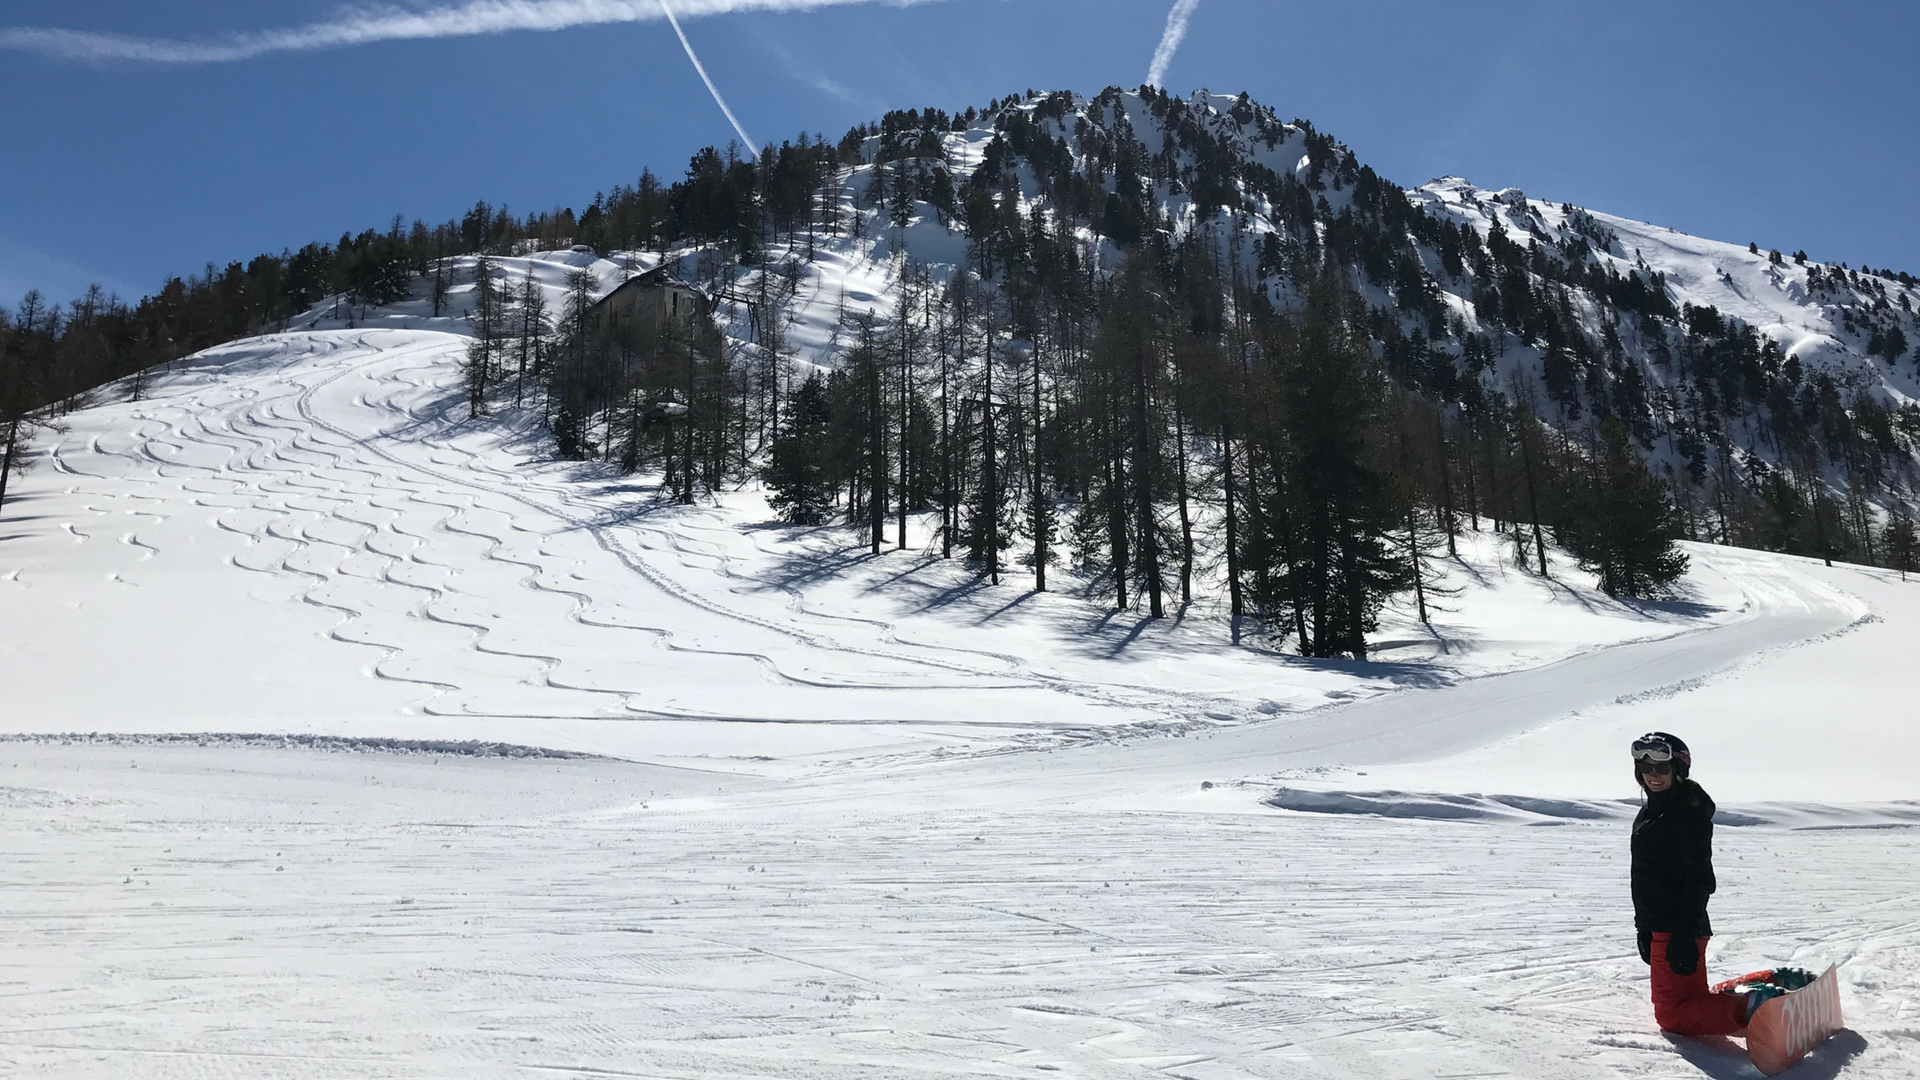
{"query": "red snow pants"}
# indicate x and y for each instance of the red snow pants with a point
(1684, 1005)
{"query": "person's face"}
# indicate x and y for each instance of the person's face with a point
(1656, 775)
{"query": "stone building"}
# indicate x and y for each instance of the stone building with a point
(648, 315)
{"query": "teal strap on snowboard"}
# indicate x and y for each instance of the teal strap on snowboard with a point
(1782, 980)
(1790, 978)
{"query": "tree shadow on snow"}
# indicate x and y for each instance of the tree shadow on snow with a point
(1724, 1059)
(1676, 606)
(1461, 566)
(1071, 615)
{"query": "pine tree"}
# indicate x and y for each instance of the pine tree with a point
(914, 285)
(566, 397)
(1040, 508)
(1621, 522)
(986, 529)
(1331, 545)
(1526, 435)
(867, 414)
(17, 427)
(795, 471)
(23, 412)
(1902, 545)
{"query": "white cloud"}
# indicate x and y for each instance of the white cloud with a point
(368, 25)
(1170, 39)
(812, 76)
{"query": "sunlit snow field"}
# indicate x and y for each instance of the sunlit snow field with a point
(833, 815)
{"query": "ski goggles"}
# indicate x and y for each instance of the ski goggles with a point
(1652, 750)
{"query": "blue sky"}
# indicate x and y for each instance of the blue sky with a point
(1790, 124)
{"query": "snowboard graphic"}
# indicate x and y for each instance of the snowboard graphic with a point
(1784, 1029)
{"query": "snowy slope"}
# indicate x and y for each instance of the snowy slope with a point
(315, 510)
(1815, 327)
(1774, 298)
(548, 270)
(1819, 720)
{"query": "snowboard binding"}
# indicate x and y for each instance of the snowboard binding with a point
(1795, 1012)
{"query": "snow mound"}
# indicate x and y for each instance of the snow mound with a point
(1444, 807)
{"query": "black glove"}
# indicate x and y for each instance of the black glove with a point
(1683, 955)
(1646, 947)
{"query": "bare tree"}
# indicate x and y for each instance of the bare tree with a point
(532, 338)
(488, 322)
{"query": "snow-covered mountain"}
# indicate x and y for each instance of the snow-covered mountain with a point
(503, 763)
(1727, 360)
(1721, 356)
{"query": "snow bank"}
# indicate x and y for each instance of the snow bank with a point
(1529, 810)
(1441, 807)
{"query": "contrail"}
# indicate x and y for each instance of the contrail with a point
(752, 147)
(1170, 39)
(365, 26)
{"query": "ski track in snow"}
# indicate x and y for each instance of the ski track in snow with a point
(309, 496)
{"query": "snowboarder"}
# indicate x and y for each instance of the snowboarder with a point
(1672, 878)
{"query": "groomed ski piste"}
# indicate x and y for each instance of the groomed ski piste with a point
(350, 737)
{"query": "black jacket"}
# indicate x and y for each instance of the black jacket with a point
(1673, 861)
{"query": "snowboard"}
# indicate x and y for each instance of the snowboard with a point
(1785, 1028)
